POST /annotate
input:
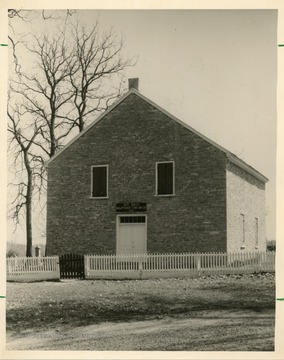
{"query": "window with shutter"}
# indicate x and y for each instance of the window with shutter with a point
(165, 178)
(100, 181)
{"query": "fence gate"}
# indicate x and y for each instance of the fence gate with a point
(71, 266)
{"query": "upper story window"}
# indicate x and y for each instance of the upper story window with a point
(165, 178)
(99, 183)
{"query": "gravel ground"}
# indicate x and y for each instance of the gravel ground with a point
(210, 313)
(207, 331)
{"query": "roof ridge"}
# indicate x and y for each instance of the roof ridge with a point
(230, 156)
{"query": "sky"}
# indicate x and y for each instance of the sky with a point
(215, 70)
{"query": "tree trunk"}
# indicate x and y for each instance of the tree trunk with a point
(29, 249)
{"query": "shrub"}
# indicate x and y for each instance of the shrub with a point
(12, 253)
(271, 245)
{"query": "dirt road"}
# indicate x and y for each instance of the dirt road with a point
(204, 330)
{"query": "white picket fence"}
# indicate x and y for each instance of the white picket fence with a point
(145, 266)
(32, 268)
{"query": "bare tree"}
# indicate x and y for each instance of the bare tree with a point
(72, 79)
(98, 62)
(48, 92)
(33, 125)
(27, 16)
(28, 164)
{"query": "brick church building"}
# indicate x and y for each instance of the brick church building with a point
(140, 180)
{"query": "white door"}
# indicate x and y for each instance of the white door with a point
(131, 234)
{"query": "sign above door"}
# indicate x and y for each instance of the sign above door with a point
(131, 207)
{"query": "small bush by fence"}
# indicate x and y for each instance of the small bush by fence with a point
(32, 268)
(144, 266)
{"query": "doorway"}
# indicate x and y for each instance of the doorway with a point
(131, 234)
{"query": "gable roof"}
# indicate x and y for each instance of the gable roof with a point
(230, 156)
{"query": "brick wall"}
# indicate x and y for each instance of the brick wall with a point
(246, 196)
(130, 139)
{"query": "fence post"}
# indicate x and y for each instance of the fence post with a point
(273, 255)
(260, 255)
(86, 265)
(37, 251)
(140, 266)
(198, 259)
(57, 267)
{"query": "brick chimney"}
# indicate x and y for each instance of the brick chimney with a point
(133, 83)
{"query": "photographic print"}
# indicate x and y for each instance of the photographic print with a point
(141, 201)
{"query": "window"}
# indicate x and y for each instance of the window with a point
(132, 219)
(243, 228)
(100, 181)
(165, 178)
(256, 231)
